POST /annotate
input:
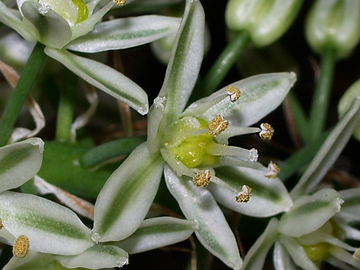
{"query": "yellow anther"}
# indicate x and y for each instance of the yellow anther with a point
(356, 254)
(273, 170)
(120, 2)
(266, 132)
(21, 246)
(202, 178)
(217, 125)
(233, 92)
(244, 195)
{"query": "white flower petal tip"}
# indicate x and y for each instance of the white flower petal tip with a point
(21, 246)
(267, 131)
(339, 202)
(119, 2)
(202, 178)
(273, 170)
(244, 195)
(356, 255)
(253, 155)
(36, 142)
(233, 92)
(217, 125)
(122, 261)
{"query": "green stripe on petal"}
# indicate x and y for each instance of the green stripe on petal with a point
(125, 33)
(127, 196)
(197, 204)
(19, 162)
(310, 212)
(260, 95)
(50, 227)
(103, 77)
(157, 232)
(96, 257)
(269, 196)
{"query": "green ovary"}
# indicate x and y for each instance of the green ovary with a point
(191, 150)
(317, 252)
(82, 10)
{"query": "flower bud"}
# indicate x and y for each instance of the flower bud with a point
(334, 23)
(264, 20)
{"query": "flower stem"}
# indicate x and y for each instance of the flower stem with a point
(66, 108)
(20, 92)
(320, 100)
(223, 64)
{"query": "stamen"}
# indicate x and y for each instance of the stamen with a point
(202, 178)
(273, 170)
(225, 150)
(120, 2)
(233, 92)
(217, 125)
(356, 254)
(266, 132)
(21, 246)
(244, 195)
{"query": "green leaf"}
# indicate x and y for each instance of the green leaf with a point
(19, 162)
(157, 232)
(198, 204)
(50, 227)
(127, 196)
(329, 151)
(125, 33)
(269, 196)
(310, 212)
(53, 30)
(255, 258)
(103, 77)
(260, 95)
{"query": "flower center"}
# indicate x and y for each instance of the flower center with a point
(188, 139)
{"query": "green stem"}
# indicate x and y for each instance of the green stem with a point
(66, 107)
(223, 64)
(320, 101)
(20, 92)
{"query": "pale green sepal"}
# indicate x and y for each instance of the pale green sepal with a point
(96, 257)
(282, 259)
(181, 73)
(157, 232)
(53, 30)
(198, 204)
(345, 103)
(264, 20)
(33, 261)
(50, 227)
(297, 253)
(12, 18)
(269, 196)
(86, 26)
(255, 257)
(329, 151)
(127, 195)
(185, 60)
(350, 210)
(333, 23)
(310, 212)
(98, 74)
(125, 33)
(260, 95)
(19, 162)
